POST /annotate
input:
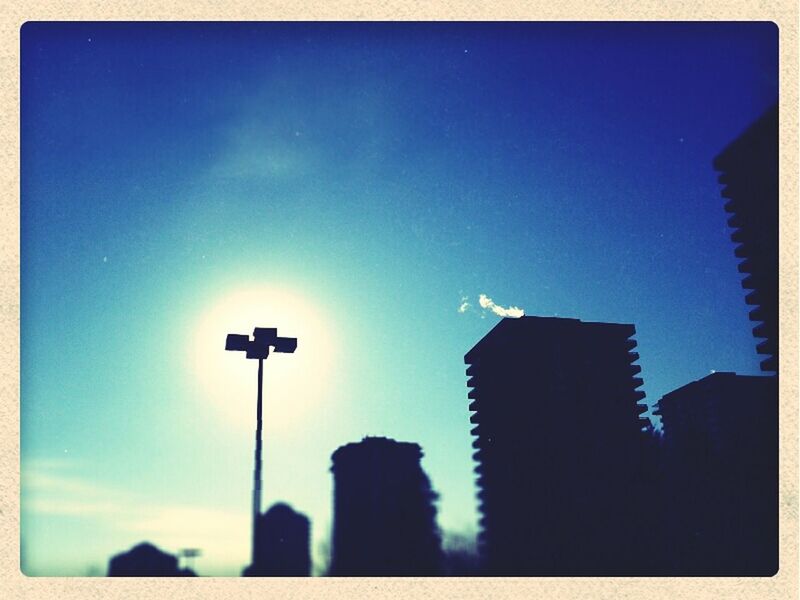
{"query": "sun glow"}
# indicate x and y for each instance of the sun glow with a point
(293, 383)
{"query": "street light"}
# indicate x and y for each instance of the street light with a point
(258, 347)
(188, 554)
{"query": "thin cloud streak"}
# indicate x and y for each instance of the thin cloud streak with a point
(127, 519)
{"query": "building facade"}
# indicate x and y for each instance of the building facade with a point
(562, 448)
(721, 476)
(145, 560)
(384, 512)
(283, 544)
(749, 172)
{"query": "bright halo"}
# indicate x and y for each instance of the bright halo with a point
(293, 383)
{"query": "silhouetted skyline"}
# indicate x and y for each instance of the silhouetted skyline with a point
(561, 449)
(718, 514)
(145, 560)
(749, 166)
(383, 191)
(384, 516)
(283, 544)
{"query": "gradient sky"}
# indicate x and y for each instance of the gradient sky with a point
(354, 185)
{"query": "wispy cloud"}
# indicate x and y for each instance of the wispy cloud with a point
(128, 518)
(488, 304)
(464, 305)
(267, 138)
(257, 150)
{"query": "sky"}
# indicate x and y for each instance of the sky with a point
(381, 191)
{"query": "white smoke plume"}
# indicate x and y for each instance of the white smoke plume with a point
(487, 303)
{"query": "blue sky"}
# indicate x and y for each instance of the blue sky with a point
(355, 184)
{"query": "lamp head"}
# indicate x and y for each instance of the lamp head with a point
(263, 339)
(288, 345)
(236, 341)
(256, 350)
(265, 336)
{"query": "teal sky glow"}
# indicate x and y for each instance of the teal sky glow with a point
(358, 186)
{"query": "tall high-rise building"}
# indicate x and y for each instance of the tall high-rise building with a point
(283, 539)
(721, 476)
(384, 513)
(749, 172)
(562, 448)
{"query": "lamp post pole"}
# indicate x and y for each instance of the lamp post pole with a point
(264, 338)
(257, 467)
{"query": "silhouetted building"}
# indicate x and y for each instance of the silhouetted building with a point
(145, 560)
(384, 514)
(460, 557)
(282, 544)
(749, 167)
(721, 476)
(562, 448)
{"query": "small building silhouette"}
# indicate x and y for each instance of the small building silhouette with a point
(562, 448)
(721, 476)
(282, 544)
(145, 560)
(384, 513)
(749, 171)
